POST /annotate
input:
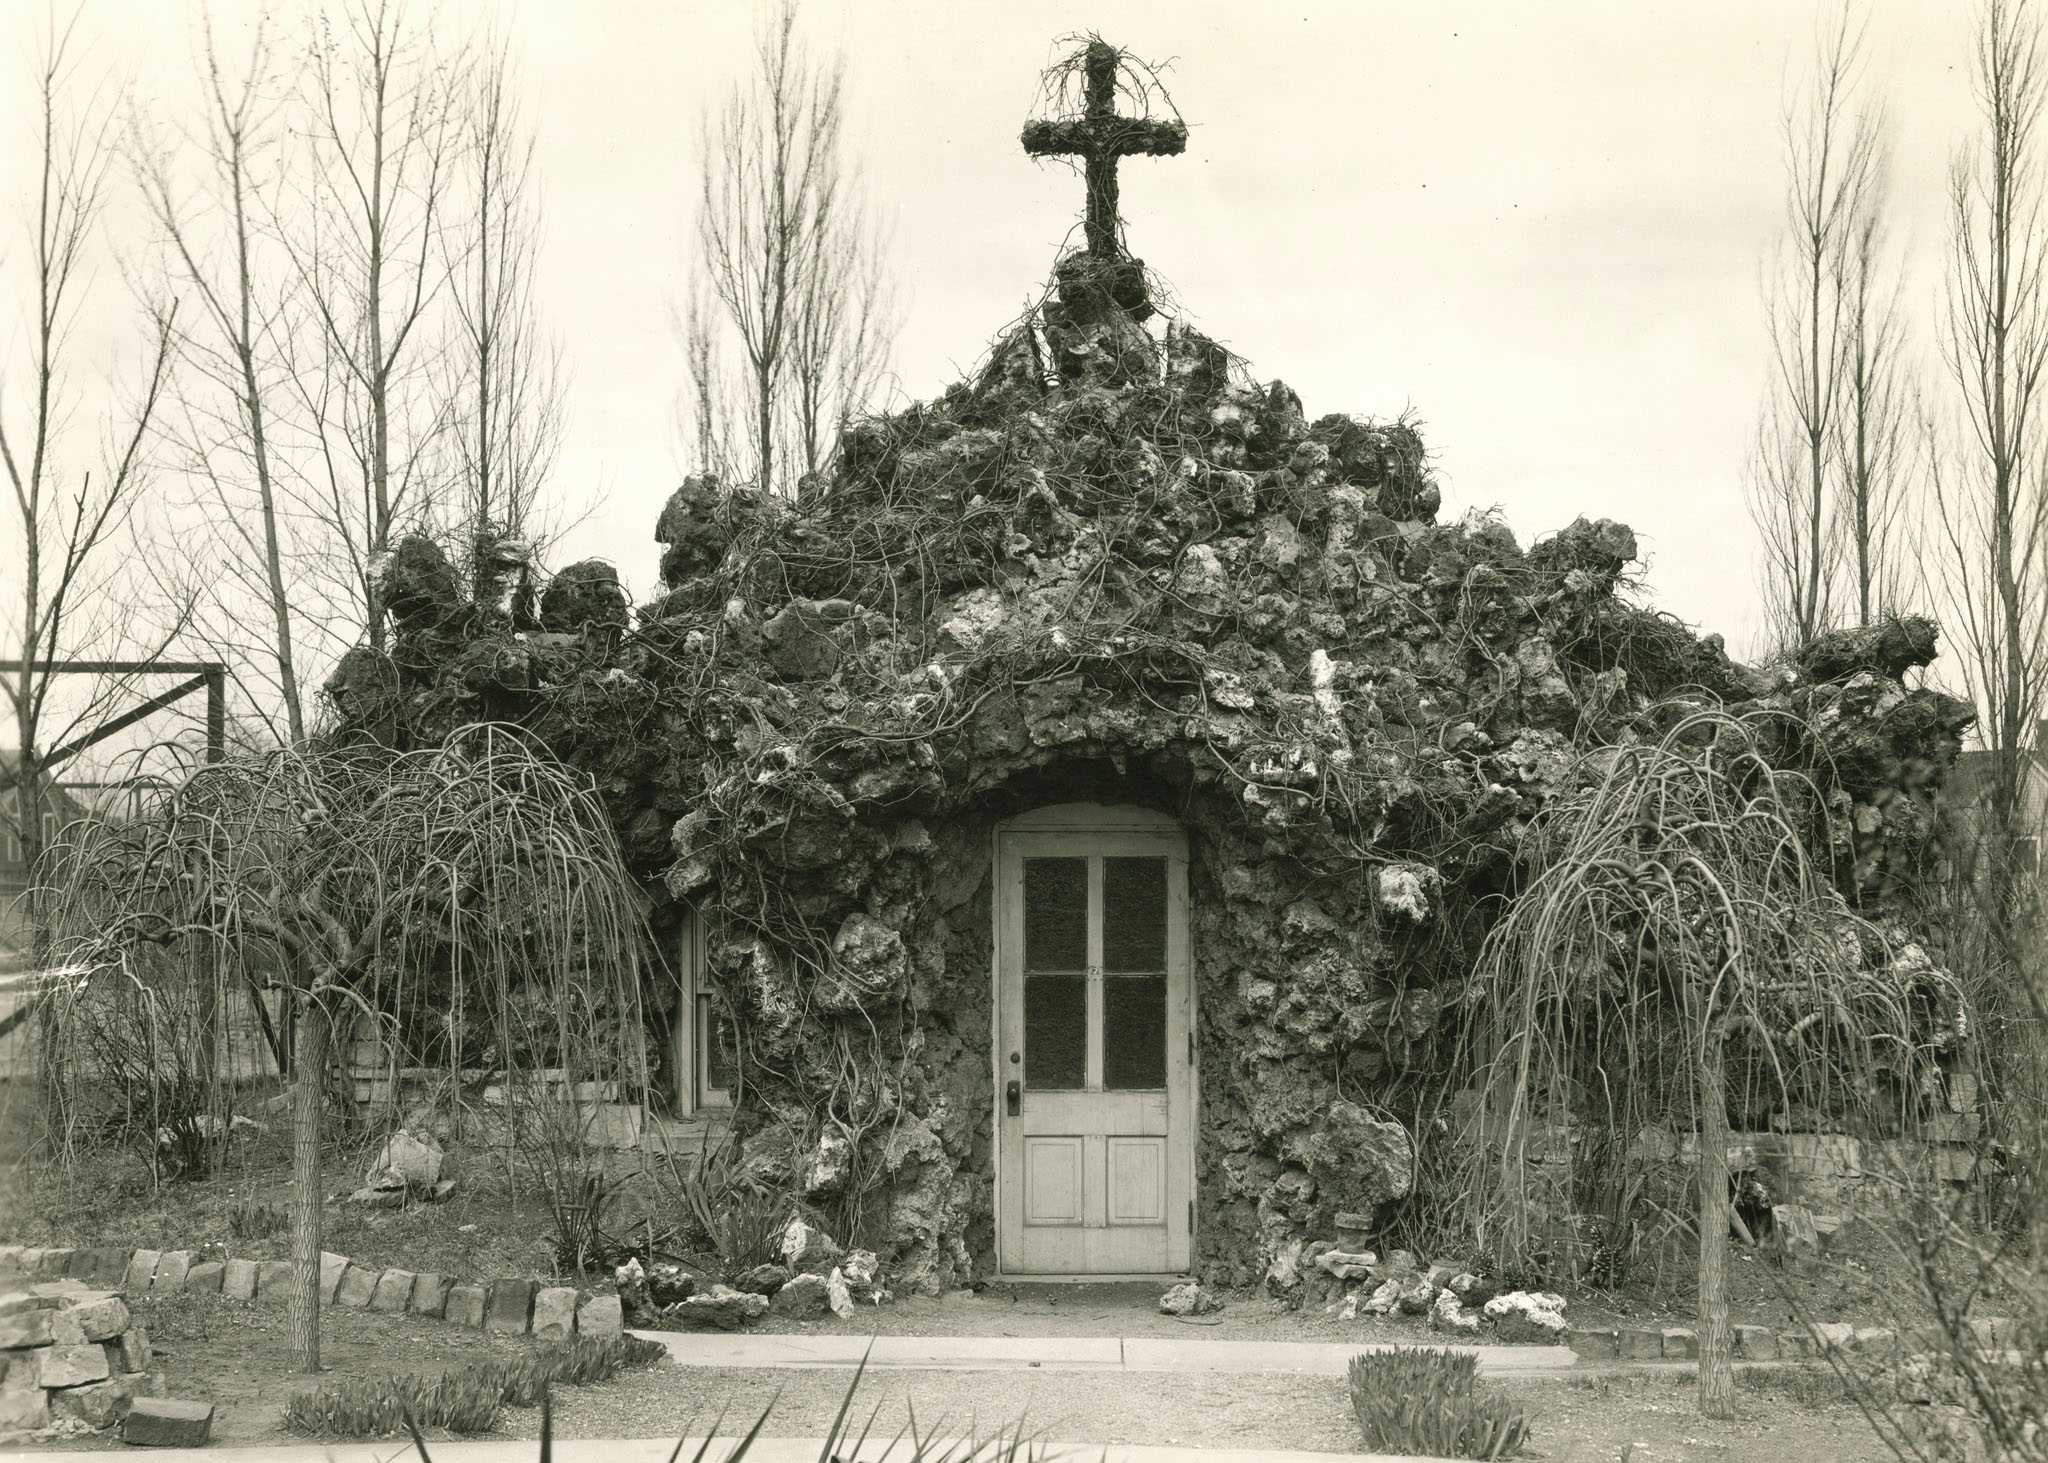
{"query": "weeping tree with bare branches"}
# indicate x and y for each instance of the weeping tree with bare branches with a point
(466, 901)
(791, 279)
(1674, 954)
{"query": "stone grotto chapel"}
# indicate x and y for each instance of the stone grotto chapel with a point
(1073, 820)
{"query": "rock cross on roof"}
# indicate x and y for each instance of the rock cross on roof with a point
(1100, 136)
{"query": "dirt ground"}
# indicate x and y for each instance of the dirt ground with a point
(235, 1355)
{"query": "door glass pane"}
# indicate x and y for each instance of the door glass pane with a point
(1055, 914)
(1055, 1031)
(1134, 1031)
(1134, 914)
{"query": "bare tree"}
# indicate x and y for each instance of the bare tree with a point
(1876, 450)
(369, 262)
(507, 380)
(218, 233)
(1832, 161)
(72, 518)
(788, 256)
(1990, 501)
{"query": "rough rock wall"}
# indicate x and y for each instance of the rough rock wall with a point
(1110, 567)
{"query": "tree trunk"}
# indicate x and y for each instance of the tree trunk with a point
(1717, 1370)
(309, 1075)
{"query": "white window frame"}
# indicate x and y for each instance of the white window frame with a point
(696, 1025)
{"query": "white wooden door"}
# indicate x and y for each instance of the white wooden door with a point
(1094, 1056)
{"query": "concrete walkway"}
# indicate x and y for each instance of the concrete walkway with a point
(1065, 1353)
(656, 1450)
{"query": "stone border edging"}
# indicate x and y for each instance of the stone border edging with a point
(510, 1307)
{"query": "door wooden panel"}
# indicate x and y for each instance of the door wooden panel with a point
(1054, 1187)
(1094, 1058)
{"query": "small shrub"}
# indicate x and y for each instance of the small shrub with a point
(1429, 1402)
(463, 1399)
(256, 1221)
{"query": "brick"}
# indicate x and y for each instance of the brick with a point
(206, 1275)
(1639, 1343)
(141, 1270)
(1596, 1345)
(161, 1422)
(429, 1295)
(1681, 1343)
(171, 1270)
(55, 1263)
(274, 1280)
(601, 1316)
(332, 1268)
(393, 1292)
(71, 1366)
(510, 1307)
(95, 1317)
(554, 1312)
(466, 1305)
(1756, 1343)
(356, 1288)
(25, 1328)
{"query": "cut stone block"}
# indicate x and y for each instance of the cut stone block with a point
(332, 1268)
(1756, 1343)
(100, 1404)
(95, 1317)
(53, 1263)
(25, 1328)
(1875, 1340)
(1639, 1343)
(1597, 1345)
(466, 1305)
(393, 1291)
(238, 1280)
(1833, 1336)
(1681, 1343)
(510, 1308)
(171, 1270)
(10, 1261)
(104, 1265)
(32, 1261)
(206, 1275)
(134, 1350)
(71, 1366)
(554, 1312)
(602, 1317)
(20, 1300)
(161, 1422)
(56, 1290)
(429, 1294)
(356, 1288)
(24, 1410)
(273, 1280)
(141, 1270)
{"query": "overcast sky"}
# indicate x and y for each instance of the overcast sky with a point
(1537, 227)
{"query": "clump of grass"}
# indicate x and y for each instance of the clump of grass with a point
(464, 1399)
(256, 1221)
(1429, 1401)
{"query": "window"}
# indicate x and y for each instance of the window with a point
(704, 1035)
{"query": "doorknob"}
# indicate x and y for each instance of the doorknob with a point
(1013, 1098)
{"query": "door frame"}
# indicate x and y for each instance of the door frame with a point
(1083, 819)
